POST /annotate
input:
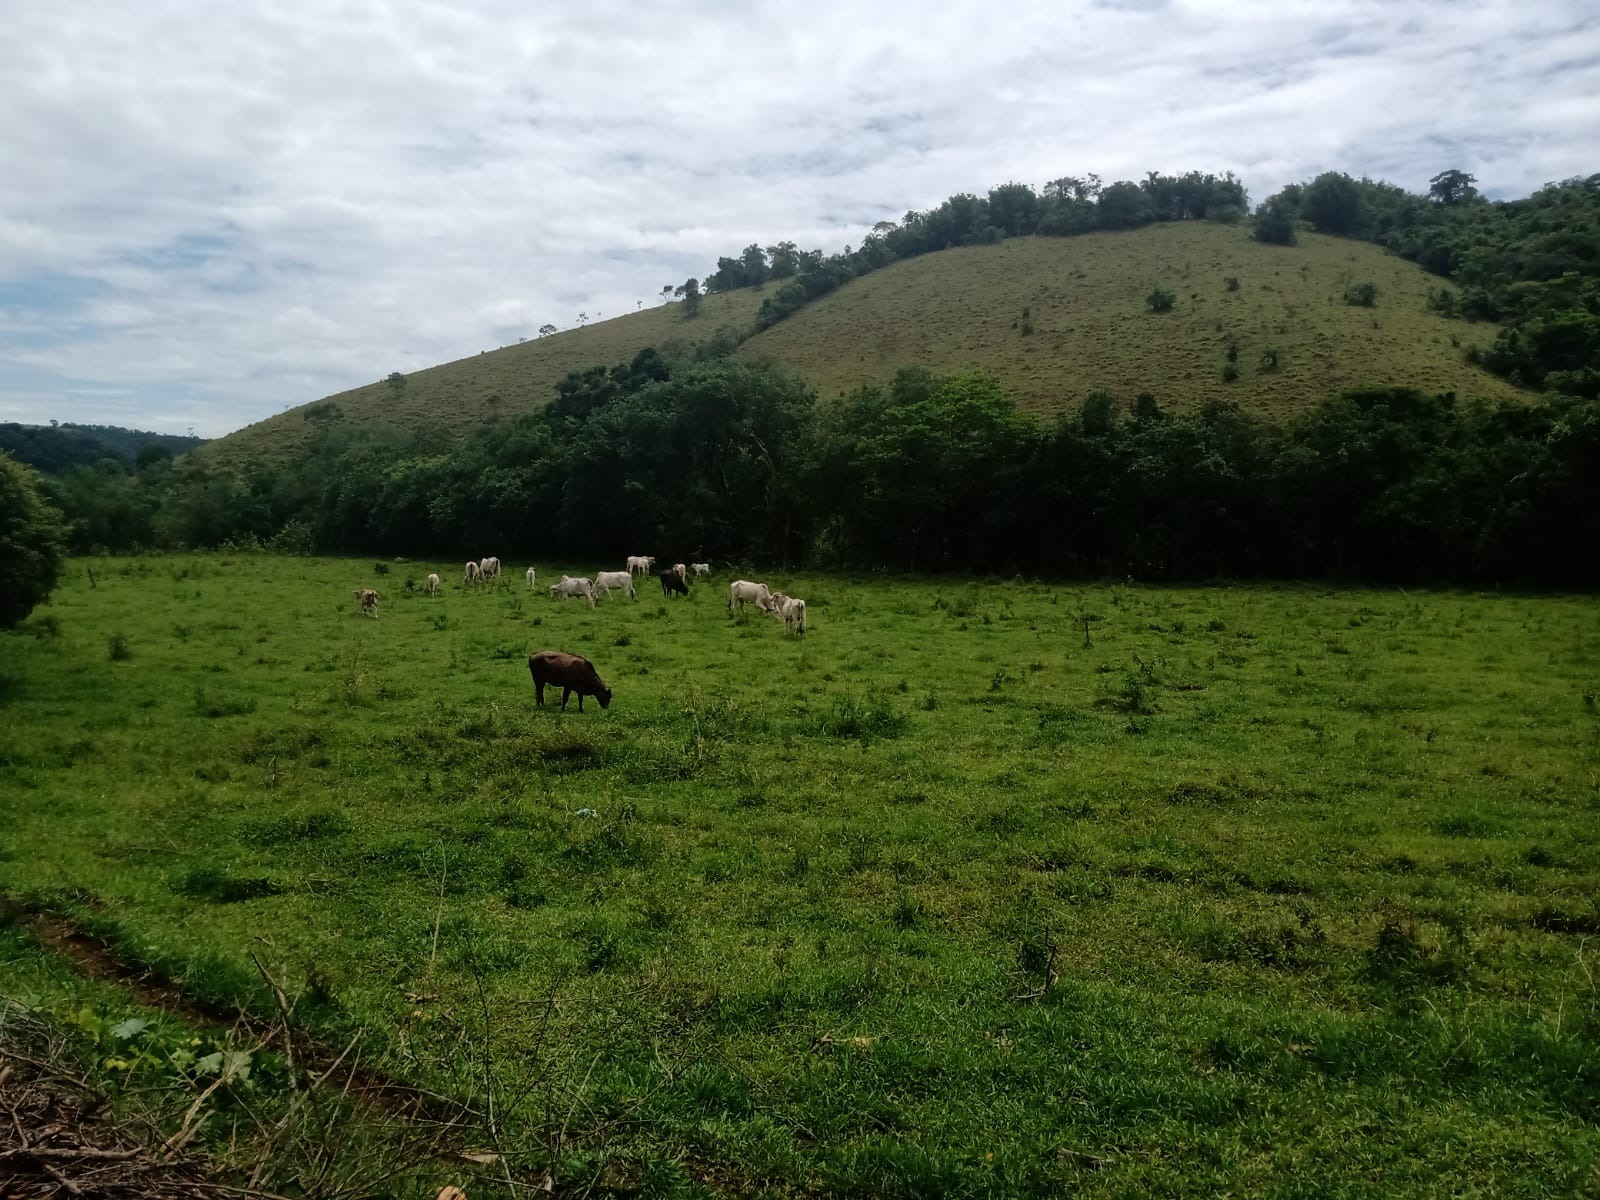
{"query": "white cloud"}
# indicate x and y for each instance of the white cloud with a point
(203, 221)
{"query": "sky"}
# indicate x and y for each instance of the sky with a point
(210, 213)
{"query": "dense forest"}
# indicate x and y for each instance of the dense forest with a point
(59, 447)
(721, 459)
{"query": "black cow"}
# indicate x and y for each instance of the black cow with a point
(671, 582)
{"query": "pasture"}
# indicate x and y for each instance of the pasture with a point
(978, 889)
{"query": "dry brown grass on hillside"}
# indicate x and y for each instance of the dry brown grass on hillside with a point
(1085, 300)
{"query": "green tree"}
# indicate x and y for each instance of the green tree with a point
(1275, 223)
(1334, 204)
(32, 541)
(689, 292)
(1453, 187)
(753, 264)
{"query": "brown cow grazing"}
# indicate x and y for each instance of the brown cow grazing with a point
(570, 673)
(671, 582)
(369, 601)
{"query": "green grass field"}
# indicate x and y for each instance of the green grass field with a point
(978, 889)
(1052, 318)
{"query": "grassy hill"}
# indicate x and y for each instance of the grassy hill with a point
(461, 394)
(1083, 298)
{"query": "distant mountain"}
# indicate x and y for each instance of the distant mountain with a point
(56, 448)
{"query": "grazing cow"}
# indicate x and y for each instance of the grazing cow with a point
(568, 586)
(568, 672)
(641, 563)
(532, 575)
(490, 567)
(700, 568)
(791, 610)
(671, 582)
(433, 585)
(474, 574)
(683, 571)
(606, 580)
(369, 601)
(742, 592)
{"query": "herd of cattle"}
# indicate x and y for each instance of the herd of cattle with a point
(791, 610)
(574, 674)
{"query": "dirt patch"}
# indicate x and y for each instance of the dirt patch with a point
(94, 959)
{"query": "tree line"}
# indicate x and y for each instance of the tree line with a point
(1070, 205)
(732, 461)
(1531, 264)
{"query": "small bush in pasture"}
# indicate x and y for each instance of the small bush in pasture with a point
(1402, 957)
(411, 585)
(1269, 359)
(1361, 295)
(214, 885)
(1160, 300)
(222, 706)
(907, 912)
(48, 626)
(862, 719)
(117, 647)
(1230, 373)
(623, 640)
(310, 825)
(599, 947)
(380, 568)
(441, 622)
(1232, 283)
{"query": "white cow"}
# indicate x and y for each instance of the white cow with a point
(700, 568)
(474, 574)
(641, 563)
(369, 601)
(681, 571)
(742, 592)
(607, 580)
(532, 575)
(568, 586)
(490, 567)
(433, 585)
(791, 610)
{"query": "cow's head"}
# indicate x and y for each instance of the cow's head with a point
(604, 696)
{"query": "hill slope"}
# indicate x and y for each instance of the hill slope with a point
(1083, 296)
(461, 394)
(1085, 299)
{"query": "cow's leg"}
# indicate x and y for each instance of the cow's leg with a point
(566, 694)
(538, 691)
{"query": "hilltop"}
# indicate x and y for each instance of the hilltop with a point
(1052, 318)
(1057, 318)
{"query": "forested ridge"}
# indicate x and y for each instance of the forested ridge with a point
(60, 446)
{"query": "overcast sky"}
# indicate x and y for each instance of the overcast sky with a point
(212, 212)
